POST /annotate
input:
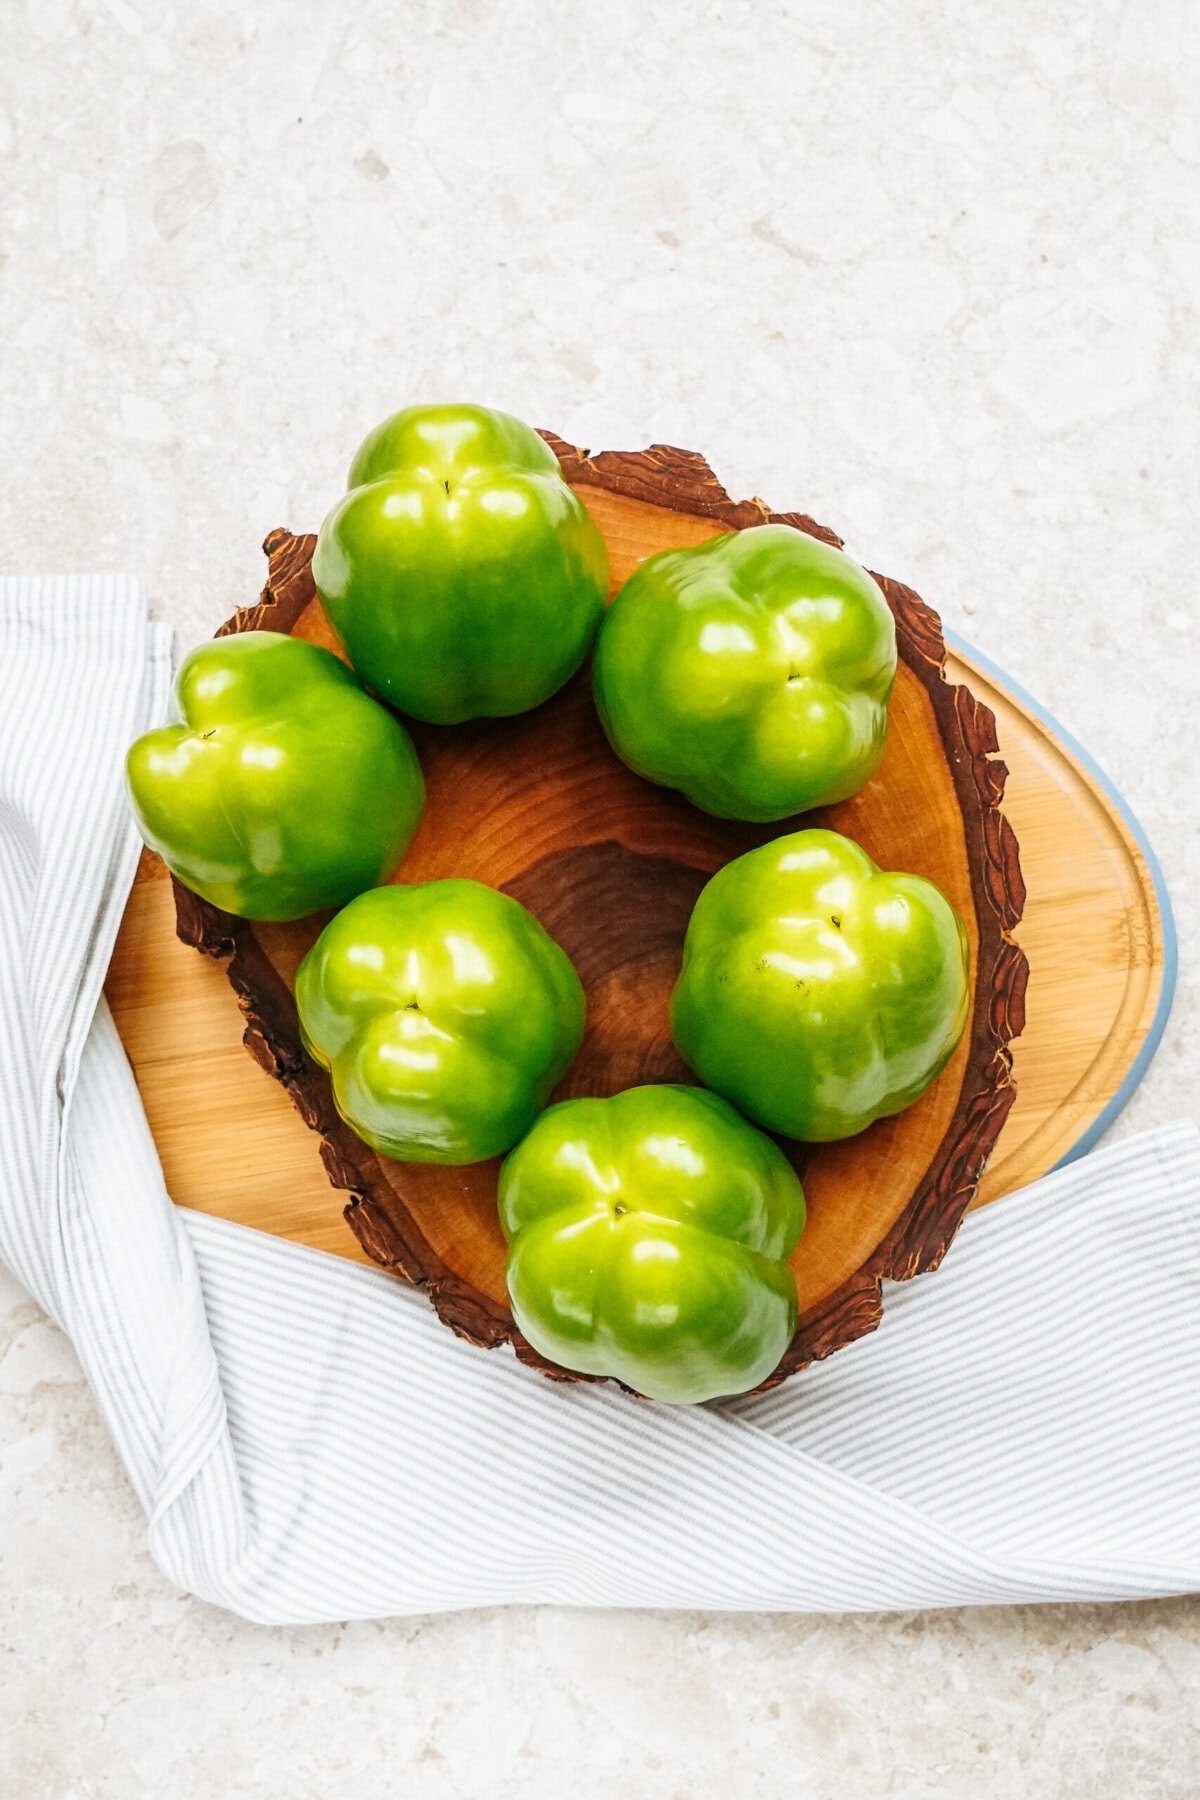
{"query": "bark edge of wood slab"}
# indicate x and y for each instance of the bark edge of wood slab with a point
(646, 500)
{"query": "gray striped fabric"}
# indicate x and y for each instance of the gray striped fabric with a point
(309, 1443)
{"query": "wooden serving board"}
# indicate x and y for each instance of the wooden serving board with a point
(232, 1140)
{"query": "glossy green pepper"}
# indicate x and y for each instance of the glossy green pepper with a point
(819, 993)
(752, 673)
(648, 1241)
(462, 575)
(445, 1015)
(283, 788)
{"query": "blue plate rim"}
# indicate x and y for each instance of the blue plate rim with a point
(1137, 1069)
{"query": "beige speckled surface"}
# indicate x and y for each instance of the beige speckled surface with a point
(928, 269)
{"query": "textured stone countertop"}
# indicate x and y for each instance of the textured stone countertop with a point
(929, 270)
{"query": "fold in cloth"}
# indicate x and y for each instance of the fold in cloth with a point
(310, 1443)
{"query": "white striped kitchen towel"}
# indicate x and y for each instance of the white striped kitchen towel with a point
(310, 1443)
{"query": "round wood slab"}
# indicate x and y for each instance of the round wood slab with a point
(540, 807)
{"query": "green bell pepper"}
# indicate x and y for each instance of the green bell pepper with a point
(648, 1241)
(752, 673)
(462, 575)
(283, 788)
(817, 992)
(445, 1015)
